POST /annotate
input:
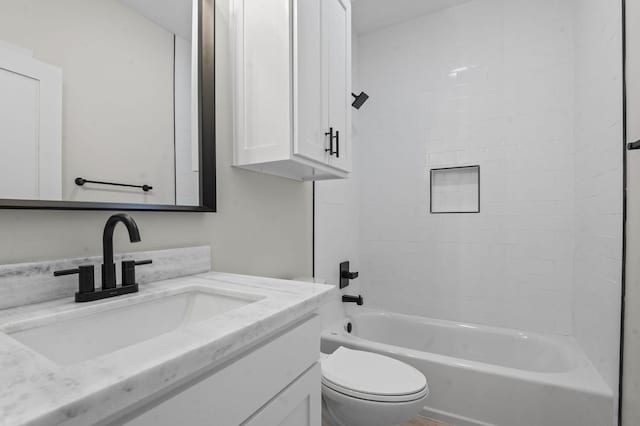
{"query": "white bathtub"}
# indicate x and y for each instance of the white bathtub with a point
(481, 375)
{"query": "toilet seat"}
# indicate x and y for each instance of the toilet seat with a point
(372, 377)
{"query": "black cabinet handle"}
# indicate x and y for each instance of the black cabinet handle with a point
(634, 145)
(330, 134)
(331, 137)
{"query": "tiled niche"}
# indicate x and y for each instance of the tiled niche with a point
(455, 190)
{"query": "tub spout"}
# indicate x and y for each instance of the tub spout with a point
(353, 299)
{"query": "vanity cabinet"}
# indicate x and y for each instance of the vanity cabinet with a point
(298, 405)
(277, 382)
(292, 82)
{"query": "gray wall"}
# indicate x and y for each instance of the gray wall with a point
(116, 56)
(263, 224)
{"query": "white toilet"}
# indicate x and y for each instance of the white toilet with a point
(367, 389)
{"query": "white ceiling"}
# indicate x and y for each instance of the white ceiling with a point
(173, 15)
(372, 15)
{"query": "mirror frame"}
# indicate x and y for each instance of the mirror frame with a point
(206, 136)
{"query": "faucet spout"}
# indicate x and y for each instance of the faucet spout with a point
(358, 300)
(108, 267)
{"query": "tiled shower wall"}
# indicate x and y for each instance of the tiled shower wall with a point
(598, 183)
(530, 91)
(631, 378)
(336, 210)
(490, 82)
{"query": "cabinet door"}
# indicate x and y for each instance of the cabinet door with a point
(336, 16)
(309, 121)
(298, 405)
(262, 79)
(31, 123)
(233, 392)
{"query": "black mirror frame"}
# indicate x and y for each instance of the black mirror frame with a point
(207, 137)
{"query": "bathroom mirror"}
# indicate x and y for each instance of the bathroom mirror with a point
(107, 104)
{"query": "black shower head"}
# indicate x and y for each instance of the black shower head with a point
(359, 99)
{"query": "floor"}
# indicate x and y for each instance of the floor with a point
(423, 421)
(419, 421)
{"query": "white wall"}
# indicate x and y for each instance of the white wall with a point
(530, 91)
(110, 55)
(337, 227)
(187, 179)
(598, 183)
(337, 220)
(631, 371)
(489, 82)
(263, 225)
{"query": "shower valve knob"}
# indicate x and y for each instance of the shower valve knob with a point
(346, 274)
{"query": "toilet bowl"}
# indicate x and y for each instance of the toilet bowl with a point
(367, 389)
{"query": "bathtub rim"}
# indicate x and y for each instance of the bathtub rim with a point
(582, 377)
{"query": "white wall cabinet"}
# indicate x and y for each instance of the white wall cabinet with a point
(292, 71)
(274, 384)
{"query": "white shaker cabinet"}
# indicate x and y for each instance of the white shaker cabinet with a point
(292, 87)
(297, 405)
(276, 383)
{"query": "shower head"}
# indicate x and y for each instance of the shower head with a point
(359, 99)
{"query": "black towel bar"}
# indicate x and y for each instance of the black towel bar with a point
(81, 181)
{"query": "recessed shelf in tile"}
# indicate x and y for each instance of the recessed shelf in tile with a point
(455, 190)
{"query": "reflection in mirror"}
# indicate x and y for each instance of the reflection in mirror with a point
(101, 90)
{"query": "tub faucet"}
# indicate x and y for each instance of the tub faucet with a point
(353, 299)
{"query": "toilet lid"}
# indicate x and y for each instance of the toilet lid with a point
(372, 376)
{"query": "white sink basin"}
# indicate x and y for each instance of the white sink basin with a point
(83, 337)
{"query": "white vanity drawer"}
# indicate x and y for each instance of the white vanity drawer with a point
(233, 392)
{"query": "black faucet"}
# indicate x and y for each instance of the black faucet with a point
(353, 299)
(87, 291)
(346, 274)
(108, 267)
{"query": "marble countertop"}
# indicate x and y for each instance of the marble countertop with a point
(36, 391)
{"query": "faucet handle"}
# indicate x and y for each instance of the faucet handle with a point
(86, 274)
(346, 274)
(129, 270)
(66, 272)
(349, 275)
